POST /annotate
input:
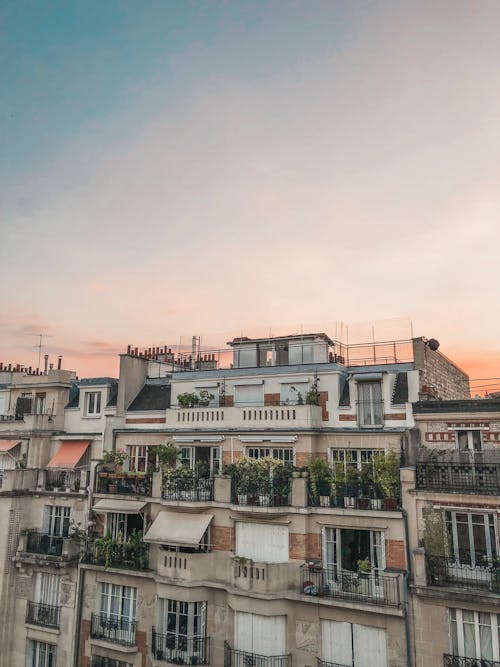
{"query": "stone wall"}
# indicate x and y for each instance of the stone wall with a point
(440, 378)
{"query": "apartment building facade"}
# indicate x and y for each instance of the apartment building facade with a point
(203, 562)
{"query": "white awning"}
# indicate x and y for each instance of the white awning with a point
(123, 506)
(177, 528)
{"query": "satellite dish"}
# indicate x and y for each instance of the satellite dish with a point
(433, 344)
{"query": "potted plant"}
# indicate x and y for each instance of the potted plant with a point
(364, 567)
(264, 476)
(168, 456)
(365, 486)
(320, 474)
(113, 460)
(387, 470)
(242, 476)
(351, 487)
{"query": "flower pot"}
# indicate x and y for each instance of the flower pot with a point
(112, 488)
(242, 498)
(391, 504)
(363, 503)
(264, 500)
(324, 501)
(349, 502)
(376, 503)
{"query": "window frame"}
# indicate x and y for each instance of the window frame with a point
(456, 616)
(93, 403)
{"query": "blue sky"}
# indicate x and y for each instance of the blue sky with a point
(174, 168)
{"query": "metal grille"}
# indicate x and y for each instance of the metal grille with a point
(43, 614)
(478, 478)
(113, 628)
(448, 572)
(235, 658)
(181, 650)
(459, 661)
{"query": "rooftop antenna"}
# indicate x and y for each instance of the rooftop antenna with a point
(38, 347)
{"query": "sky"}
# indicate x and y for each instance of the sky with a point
(170, 169)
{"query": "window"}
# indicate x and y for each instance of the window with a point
(343, 547)
(353, 644)
(262, 542)
(183, 624)
(285, 454)
(40, 654)
(120, 526)
(139, 457)
(356, 458)
(370, 406)
(474, 634)
(251, 395)
(263, 635)
(56, 520)
(93, 403)
(40, 403)
(118, 602)
(469, 441)
(205, 461)
(46, 588)
(472, 537)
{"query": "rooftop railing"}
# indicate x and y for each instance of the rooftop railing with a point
(117, 629)
(235, 658)
(448, 572)
(179, 486)
(179, 649)
(450, 477)
(370, 587)
(461, 661)
(43, 614)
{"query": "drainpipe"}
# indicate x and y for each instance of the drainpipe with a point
(78, 615)
(406, 577)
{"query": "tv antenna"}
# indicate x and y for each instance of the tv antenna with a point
(38, 347)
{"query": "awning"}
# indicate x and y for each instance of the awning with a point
(7, 445)
(68, 454)
(118, 505)
(179, 529)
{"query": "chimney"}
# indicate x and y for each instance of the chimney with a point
(46, 362)
(59, 362)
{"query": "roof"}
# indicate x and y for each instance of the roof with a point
(97, 381)
(270, 339)
(74, 392)
(113, 394)
(462, 405)
(178, 528)
(400, 392)
(151, 397)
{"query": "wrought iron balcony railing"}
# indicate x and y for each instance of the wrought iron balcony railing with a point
(126, 484)
(367, 587)
(132, 555)
(448, 477)
(273, 492)
(113, 628)
(64, 480)
(43, 614)
(352, 496)
(449, 572)
(40, 543)
(186, 487)
(236, 658)
(179, 649)
(460, 661)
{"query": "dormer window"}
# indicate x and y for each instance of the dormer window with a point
(370, 405)
(92, 403)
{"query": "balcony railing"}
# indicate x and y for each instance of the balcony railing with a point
(188, 488)
(326, 663)
(39, 543)
(369, 587)
(115, 629)
(448, 572)
(132, 555)
(460, 661)
(64, 480)
(353, 496)
(126, 484)
(181, 650)
(235, 658)
(448, 477)
(273, 492)
(43, 614)
(101, 661)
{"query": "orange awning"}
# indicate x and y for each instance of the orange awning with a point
(69, 453)
(7, 445)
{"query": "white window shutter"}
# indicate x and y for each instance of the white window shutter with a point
(264, 543)
(336, 642)
(370, 649)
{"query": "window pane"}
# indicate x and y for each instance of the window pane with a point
(485, 637)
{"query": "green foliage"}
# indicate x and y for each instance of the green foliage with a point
(194, 400)
(387, 471)
(364, 565)
(168, 455)
(114, 459)
(435, 538)
(320, 477)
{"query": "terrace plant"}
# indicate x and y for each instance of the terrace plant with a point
(320, 477)
(194, 399)
(387, 471)
(114, 459)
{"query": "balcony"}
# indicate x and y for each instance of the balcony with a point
(130, 484)
(34, 544)
(180, 650)
(39, 543)
(271, 492)
(107, 552)
(459, 661)
(449, 477)
(101, 661)
(284, 416)
(265, 577)
(235, 658)
(448, 572)
(116, 629)
(184, 485)
(198, 566)
(382, 590)
(43, 614)
(68, 481)
(355, 496)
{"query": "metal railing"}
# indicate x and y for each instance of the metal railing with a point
(448, 477)
(101, 661)
(449, 572)
(235, 658)
(131, 555)
(132, 485)
(461, 661)
(353, 496)
(43, 614)
(40, 543)
(63, 480)
(113, 628)
(370, 587)
(274, 492)
(189, 488)
(179, 649)
(326, 663)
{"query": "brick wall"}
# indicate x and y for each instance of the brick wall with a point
(228, 402)
(84, 661)
(302, 459)
(440, 378)
(323, 397)
(142, 645)
(395, 554)
(226, 456)
(304, 546)
(272, 399)
(222, 538)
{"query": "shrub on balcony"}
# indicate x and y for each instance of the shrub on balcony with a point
(320, 477)
(387, 471)
(194, 399)
(114, 459)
